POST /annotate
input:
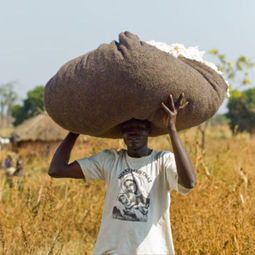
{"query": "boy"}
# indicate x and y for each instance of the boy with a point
(136, 216)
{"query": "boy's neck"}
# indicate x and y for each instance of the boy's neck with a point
(138, 153)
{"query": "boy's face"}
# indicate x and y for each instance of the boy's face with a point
(135, 133)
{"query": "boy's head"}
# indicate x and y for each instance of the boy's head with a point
(135, 133)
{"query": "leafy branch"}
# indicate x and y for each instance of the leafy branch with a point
(233, 71)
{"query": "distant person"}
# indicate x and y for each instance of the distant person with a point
(136, 216)
(7, 163)
(19, 167)
(9, 168)
(14, 140)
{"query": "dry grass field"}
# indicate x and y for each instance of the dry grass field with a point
(44, 216)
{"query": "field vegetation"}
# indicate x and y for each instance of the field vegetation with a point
(44, 216)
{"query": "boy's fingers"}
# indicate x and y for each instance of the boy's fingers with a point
(183, 106)
(179, 101)
(172, 102)
(165, 108)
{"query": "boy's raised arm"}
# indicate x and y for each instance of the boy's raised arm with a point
(59, 167)
(185, 170)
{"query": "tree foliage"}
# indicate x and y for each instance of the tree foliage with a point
(31, 106)
(241, 112)
(241, 105)
(7, 98)
(237, 73)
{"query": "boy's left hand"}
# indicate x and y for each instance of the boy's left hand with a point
(172, 111)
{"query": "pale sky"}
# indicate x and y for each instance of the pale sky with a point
(37, 37)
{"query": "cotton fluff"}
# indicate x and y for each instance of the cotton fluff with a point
(178, 49)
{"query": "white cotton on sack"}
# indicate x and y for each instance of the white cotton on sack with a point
(178, 49)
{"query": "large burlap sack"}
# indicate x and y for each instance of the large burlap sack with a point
(94, 93)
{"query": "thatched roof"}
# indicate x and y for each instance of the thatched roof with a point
(39, 128)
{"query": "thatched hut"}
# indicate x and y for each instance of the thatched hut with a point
(38, 134)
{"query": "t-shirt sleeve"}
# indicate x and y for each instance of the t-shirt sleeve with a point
(96, 167)
(171, 174)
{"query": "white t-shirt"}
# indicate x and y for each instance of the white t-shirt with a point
(136, 216)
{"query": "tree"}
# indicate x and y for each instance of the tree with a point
(241, 105)
(241, 111)
(31, 106)
(7, 99)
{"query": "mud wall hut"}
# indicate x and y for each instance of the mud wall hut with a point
(39, 134)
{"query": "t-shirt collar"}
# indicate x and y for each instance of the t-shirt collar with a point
(132, 159)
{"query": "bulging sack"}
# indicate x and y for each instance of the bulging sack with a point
(94, 93)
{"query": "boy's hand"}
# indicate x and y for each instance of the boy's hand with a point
(172, 111)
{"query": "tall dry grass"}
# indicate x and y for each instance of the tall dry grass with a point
(40, 215)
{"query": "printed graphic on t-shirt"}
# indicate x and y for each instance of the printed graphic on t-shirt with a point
(133, 199)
